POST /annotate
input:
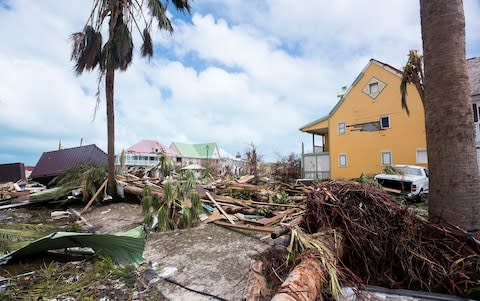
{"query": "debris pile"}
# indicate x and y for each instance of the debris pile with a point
(384, 244)
(356, 234)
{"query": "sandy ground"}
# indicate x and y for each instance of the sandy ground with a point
(206, 258)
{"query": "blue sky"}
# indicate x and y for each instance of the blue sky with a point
(234, 72)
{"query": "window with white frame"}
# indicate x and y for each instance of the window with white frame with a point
(341, 128)
(342, 160)
(421, 156)
(386, 158)
(373, 88)
(385, 122)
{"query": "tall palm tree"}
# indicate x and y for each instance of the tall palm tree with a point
(89, 52)
(454, 182)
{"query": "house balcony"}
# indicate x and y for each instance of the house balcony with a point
(142, 161)
(316, 166)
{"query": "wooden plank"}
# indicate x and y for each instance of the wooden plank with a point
(277, 218)
(94, 197)
(219, 207)
(245, 179)
(246, 227)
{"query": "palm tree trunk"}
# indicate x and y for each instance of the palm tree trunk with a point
(454, 182)
(109, 84)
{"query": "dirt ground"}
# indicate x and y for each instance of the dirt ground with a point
(115, 217)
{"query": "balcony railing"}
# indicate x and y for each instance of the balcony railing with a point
(139, 162)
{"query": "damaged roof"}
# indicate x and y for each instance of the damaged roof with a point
(473, 67)
(54, 163)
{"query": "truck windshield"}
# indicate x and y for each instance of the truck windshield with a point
(409, 170)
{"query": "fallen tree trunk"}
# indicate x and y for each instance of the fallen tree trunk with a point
(317, 267)
(132, 189)
(304, 283)
(256, 284)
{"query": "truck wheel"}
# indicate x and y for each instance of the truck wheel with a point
(419, 197)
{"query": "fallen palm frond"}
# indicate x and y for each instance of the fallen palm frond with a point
(125, 247)
(79, 280)
(385, 245)
(179, 207)
(87, 177)
(16, 236)
(369, 180)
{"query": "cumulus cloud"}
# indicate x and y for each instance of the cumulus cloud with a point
(238, 71)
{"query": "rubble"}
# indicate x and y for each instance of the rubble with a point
(383, 243)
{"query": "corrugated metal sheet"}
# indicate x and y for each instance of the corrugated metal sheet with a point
(56, 162)
(12, 172)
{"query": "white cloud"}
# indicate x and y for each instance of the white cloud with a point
(265, 69)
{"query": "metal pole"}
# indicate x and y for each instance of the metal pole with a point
(206, 173)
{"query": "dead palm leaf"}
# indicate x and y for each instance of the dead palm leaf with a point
(147, 46)
(412, 74)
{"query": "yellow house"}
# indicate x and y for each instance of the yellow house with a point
(367, 129)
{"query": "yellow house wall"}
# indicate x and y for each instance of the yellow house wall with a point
(363, 149)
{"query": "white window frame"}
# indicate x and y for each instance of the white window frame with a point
(374, 84)
(340, 160)
(390, 155)
(416, 155)
(344, 128)
(389, 122)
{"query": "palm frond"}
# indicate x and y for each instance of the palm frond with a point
(412, 74)
(186, 217)
(168, 193)
(163, 222)
(88, 177)
(182, 5)
(159, 12)
(156, 202)
(146, 200)
(196, 204)
(87, 48)
(147, 46)
(122, 47)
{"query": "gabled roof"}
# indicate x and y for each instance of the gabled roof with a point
(151, 147)
(387, 67)
(473, 67)
(195, 150)
(56, 162)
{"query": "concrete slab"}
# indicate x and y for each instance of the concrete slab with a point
(207, 258)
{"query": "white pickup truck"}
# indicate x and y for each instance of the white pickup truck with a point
(410, 181)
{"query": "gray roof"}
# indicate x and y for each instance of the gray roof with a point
(473, 66)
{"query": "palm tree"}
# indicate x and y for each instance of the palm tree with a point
(454, 182)
(88, 52)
